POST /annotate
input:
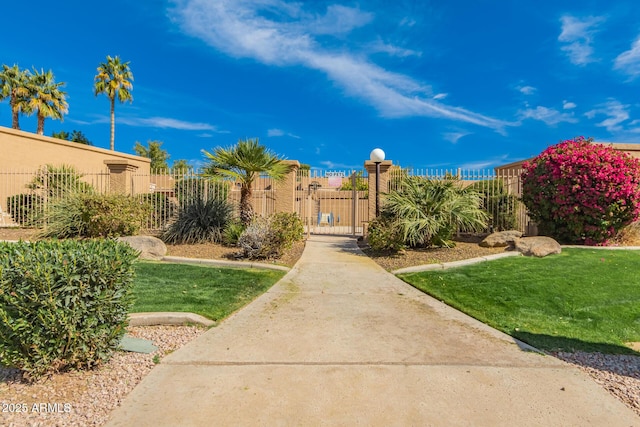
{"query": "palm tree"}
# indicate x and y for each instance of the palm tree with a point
(13, 85)
(46, 98)
(114, 80)
(244, 162)
(427, 212)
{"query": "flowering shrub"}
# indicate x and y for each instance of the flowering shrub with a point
(580, 192)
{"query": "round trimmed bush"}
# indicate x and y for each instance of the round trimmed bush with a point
(580, 192)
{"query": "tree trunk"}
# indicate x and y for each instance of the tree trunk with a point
(40, 130)
(246, 209)
(15, 114)
(113, 124)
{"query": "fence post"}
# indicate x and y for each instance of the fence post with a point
(384, 181)
(285, 194)
(120, 175)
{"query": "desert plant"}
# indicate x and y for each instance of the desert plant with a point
(269, 237)
(499, 205)
(199, 222)
(25, 209)
(93, 215)
(63, 304)
(383, 234)
(428, 212)
(244, 162)
(579, 192)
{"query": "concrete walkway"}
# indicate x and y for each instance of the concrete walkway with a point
(340, 342)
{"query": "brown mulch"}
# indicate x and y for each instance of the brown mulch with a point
(466, 247)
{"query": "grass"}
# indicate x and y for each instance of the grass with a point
(579, 300)
(212, 292)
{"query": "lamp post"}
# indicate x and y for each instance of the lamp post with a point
(377, 157)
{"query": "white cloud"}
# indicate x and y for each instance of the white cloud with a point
(616, 114)
(454, 137)
(577, 38)
(280, 132)
(629, 61)
(549, 116)
(275, 132)
(440, 96)
(278, 33)
(381, 47)
(567, 105)
(527, 90)
(166, 123)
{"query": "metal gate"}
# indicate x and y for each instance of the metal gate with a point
(333, 202)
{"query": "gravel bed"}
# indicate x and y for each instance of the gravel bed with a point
(618, 374)
(86, 398)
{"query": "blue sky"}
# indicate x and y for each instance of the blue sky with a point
(461, 83)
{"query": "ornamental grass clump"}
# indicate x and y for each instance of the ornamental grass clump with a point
(580, 192)
(63, 304)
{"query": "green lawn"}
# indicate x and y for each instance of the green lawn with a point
(582, 299)
(212, 292)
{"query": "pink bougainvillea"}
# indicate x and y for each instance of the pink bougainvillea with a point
(580, 192)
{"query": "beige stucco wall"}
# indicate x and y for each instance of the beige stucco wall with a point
(21, 150)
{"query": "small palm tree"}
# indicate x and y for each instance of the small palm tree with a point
(244, 162)
(114, 79)
(428, 212)
(14, 85)
(46, 98)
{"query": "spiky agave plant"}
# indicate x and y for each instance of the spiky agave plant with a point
(428, 212)
(201, 221)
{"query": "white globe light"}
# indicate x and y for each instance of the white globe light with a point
(377, 155)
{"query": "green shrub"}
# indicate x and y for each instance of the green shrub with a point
(286, 229)
(232, 233)
(383, 235)
(93, 215)
(25, 209)
(270, 237)
(56, 181)
(201, 221)
(63, 304)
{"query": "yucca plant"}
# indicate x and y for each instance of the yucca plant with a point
(428, 212)
(201, 221)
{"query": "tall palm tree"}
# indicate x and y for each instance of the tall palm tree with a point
(46, 97)
(244, 162)
(13, 85)
(114, 79)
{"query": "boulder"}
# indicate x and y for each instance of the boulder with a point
(150, 247)
(501, 239)
(538, 246)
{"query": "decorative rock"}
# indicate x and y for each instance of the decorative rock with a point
(538, 246)
(500, 239)
(150, 247)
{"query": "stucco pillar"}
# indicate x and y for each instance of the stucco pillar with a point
(120, 175)
(285, 194)
(384, 183)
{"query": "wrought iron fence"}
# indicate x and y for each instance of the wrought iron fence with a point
(327, 201)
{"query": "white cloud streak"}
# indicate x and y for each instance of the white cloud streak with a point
(616, 113)
(549, 116)
(165, 123)
(567, 105)
(629, 61)
(279, 33)
(577, 38)
(527, 90)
